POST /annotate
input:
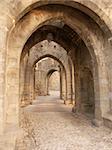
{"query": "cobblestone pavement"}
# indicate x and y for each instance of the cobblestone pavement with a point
(50, 125)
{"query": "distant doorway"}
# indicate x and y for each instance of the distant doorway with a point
(54, 84)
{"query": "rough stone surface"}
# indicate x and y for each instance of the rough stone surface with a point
(46, 78)
(76, 33)
(49, 125)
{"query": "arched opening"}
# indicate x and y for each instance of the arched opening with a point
(66, 28)
(46, 81)
(54, 84)
(36, 57)
(54, 64)
(83, 57)
(77, 32)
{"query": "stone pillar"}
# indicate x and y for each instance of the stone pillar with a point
(73, 85)
(72, 78)
(32, 89)
(48, 86)
(26, 93)
(12, 92)
(69, 92)
(101, 96)
(77, 92)
(76, 107)
(23, 68)
(5, 22)
(64, 86)
(3, 35)
(61, 77)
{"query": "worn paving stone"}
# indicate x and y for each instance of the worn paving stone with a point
(50, 125)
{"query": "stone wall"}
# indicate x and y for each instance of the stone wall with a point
(44, 70)
(22, 27)
(54, 82)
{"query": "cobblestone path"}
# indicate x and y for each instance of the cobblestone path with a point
(50, 125)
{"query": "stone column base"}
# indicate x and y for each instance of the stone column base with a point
(97, 123)
(8, 140)
(74, 110)
(25, 103)
(67, 102)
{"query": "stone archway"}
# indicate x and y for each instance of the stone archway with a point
(82, 28)
(63, 73)
(52, 50)
(53, 82)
